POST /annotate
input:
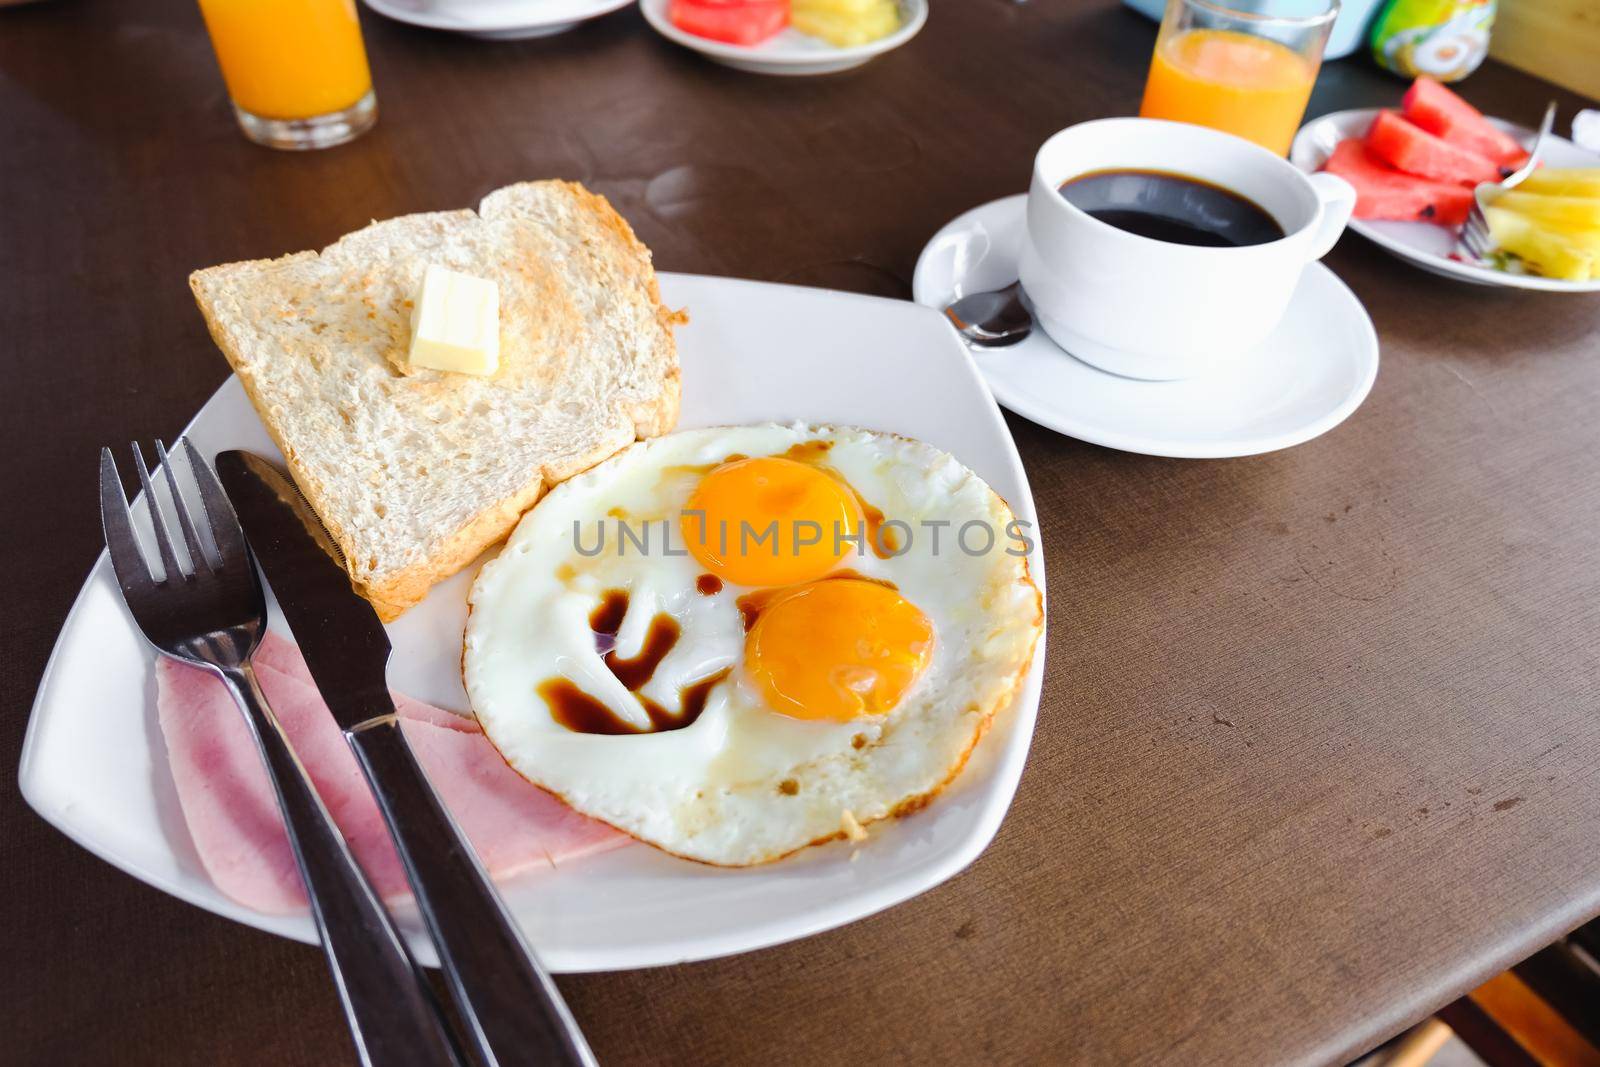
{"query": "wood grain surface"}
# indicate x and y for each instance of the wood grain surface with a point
(1560, 38)
(1320, 741)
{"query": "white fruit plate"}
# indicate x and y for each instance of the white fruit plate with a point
(1422, 243)
(94, 763)
(789, 52)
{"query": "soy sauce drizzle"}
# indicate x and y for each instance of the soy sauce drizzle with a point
(708, 584)
(658, 641)
(606, 619)
(582, 713)
(606, 622)
(691, 702)
(578, 711)
(751, 605)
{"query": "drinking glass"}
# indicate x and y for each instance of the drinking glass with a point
(296, 69)
(1245, 70)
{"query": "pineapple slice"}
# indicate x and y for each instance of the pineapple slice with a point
(1563, 181)
(1541, 251)
(845, 29)
(1558, 213)
(848, 8)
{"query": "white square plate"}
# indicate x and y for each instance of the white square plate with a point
(94, 763)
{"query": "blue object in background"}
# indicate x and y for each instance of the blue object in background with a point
(1349, 29)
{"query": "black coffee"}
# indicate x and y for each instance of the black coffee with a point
(1171, 207)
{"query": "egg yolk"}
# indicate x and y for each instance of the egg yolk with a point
(769, 521)
(838, 650)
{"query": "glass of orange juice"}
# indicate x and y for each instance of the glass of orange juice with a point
(1245, 70)
(296, 69)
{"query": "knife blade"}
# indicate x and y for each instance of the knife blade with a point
(512, 1009)
(349, 652)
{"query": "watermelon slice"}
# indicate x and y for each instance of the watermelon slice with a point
(1416, 151)
(1445, 115)
(1385, 193)
(742, 22)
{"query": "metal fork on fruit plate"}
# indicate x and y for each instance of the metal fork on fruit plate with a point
(1475, 241)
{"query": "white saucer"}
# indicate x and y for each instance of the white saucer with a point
(789, 52)
(1423, 243)
(496, 20)
(1305, 379)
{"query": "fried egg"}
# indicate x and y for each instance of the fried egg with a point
(732, 643)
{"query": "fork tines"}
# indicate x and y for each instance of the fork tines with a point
(1475, 233)
(127, 559)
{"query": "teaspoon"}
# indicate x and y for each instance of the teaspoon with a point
(992, 320)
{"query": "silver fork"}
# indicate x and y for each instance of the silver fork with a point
(1475, 241)
(212, 616)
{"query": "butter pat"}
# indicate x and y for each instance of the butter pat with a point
(455, 323)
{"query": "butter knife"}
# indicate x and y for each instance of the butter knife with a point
(512, 1010)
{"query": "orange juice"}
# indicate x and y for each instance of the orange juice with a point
(1231, 81)
(289, 59)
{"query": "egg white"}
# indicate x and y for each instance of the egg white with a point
(743, 784)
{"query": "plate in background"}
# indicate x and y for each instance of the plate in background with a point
(496, 20)
(95, 766)
(1423, 243)
(789, 52)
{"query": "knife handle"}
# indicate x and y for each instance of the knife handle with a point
(512, 1009)
(392, 1012)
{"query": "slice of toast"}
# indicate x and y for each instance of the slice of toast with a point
(415, 472)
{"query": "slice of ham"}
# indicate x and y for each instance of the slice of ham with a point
(284, 657)
(232, 814)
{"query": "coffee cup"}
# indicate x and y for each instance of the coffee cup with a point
(1154, 309)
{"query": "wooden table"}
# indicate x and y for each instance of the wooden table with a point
(1320, 741)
